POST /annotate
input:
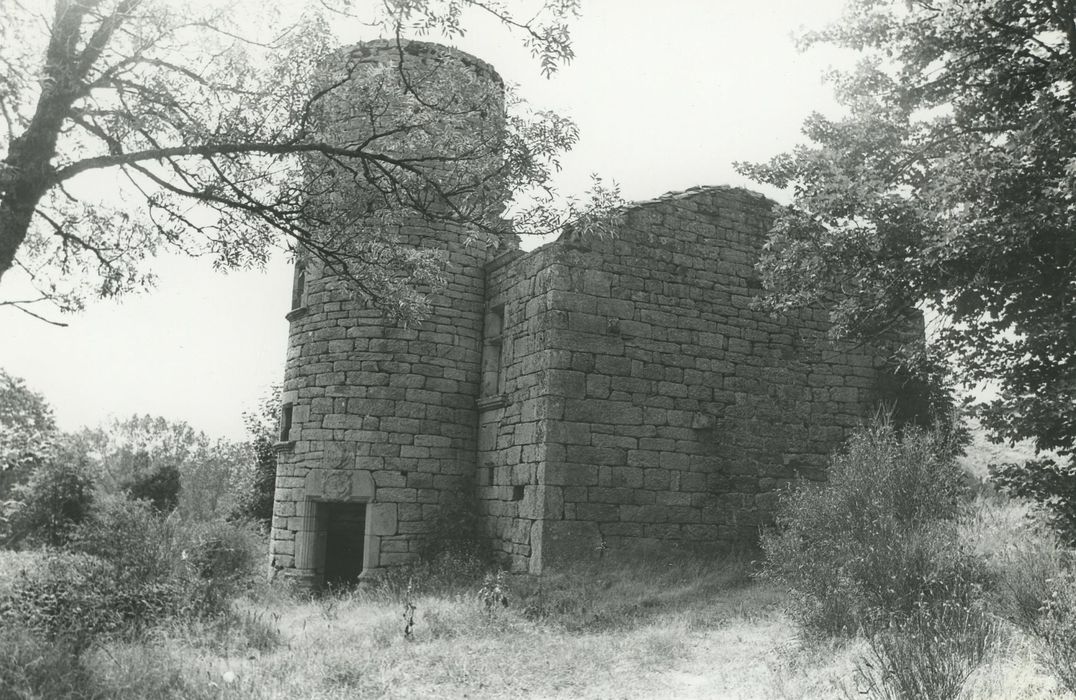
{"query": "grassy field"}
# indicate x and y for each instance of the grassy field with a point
(673, 629)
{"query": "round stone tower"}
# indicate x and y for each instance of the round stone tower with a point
(378, 422)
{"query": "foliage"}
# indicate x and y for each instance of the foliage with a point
(166, 462)
(1056, 630)
(255, 487)
(159, 487)
(447, 572)
(929, 655)
(879, 539)
(949, 183)
(1028, 571)
(55, 500)
(78, 599)
(220, 561)
(27, 431)
(220, 105)
(125, 569)
(917, 388)
(494, 592)
(1046, 482)
(203, 564)
(32, 667)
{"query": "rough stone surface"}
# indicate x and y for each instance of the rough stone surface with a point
(592, 395)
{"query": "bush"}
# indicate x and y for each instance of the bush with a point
(929, 654)
(220, 560)
(127, 569)
(879, 539)
(69, 599)
(132, 536)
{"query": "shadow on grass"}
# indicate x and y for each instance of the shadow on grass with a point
(619, 595)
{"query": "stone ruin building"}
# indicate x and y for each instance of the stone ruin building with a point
(612, 393)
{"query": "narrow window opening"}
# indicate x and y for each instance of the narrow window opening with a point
(298, 289)
(517, 493)
(492, 360)
(285, 422)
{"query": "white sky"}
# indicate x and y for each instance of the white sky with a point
(666, 95)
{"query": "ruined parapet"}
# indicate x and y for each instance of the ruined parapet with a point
(649, 404)
(379, 422)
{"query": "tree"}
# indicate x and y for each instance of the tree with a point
(202, 105)
(57, 498)
(949, 183)
(27, 431)
(256, 485)
(168, 463)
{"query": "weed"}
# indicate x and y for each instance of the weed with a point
(409, 611)
(494, 592)
(445, 573)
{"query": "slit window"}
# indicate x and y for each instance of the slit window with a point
(492, 360)
(298, 287)
(517, 493)
(285, 422)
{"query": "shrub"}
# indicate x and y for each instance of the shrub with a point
(220, 560)
(879, 539)
(130, 535)
(928, 654)
(68, 599)
(128, 568)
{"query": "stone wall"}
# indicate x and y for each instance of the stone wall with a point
(513, 449)
(665, 409)
(376, 413)
(380, 414)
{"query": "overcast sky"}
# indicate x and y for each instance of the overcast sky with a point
(666, 95)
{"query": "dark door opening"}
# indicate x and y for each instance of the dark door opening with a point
(345, 531)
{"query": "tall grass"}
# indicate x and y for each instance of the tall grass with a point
(929, 655)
